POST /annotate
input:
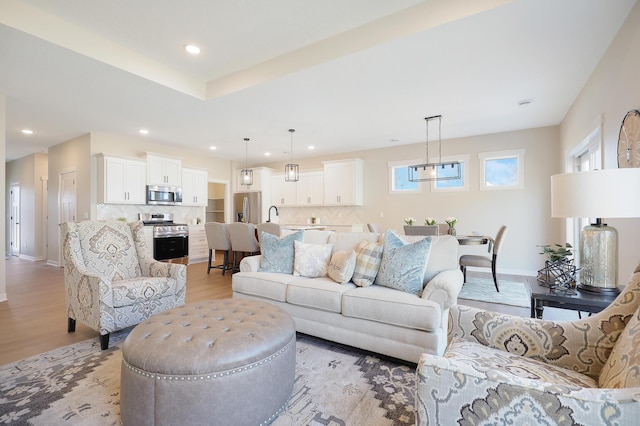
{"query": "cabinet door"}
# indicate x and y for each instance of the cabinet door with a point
(124, 181)
(164, 171)
(194, 187)
(136, 177)
(343, 183)
(283, 193)
(310, 190)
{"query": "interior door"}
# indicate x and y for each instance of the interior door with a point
(15, 219)
(68, 202)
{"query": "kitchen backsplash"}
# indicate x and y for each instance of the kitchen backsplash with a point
(188, 215)
(323, 215)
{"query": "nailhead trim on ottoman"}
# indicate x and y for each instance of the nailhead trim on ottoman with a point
(220, 362)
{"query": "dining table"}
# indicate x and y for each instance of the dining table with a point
(473, 240)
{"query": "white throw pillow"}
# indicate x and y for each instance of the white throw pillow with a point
(342, 265)
(311, 260)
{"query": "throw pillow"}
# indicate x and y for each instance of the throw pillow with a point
(403, 264)
(621, 369)
(342, 265)
(368, 256)
(278, 254)
(311, 260)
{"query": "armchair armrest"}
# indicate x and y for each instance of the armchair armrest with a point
(250, 263)
(444, 288)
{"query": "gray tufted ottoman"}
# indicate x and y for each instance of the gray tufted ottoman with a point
(227, 362)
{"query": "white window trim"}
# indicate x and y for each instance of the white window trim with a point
(496, 155)
(402, 163)
(465, 178)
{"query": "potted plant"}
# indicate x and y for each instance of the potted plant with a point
(409, 220)
(451, 221)
(559, 271)
(557, 251)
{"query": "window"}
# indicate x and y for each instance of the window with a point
(399, 177)
(502, 169)
(461, 184)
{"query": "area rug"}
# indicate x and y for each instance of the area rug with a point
(512, 293)
(335, 385)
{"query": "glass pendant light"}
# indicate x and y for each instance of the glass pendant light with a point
(291, 171)
(246, 174)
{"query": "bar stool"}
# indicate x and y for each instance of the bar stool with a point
(243, 240)
(268, 227)
(218, 239)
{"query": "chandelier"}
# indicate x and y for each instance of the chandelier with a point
(429, 171)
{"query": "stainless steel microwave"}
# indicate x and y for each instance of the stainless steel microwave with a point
(164, 195)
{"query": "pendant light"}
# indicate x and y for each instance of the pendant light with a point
(291, 171)
(246, 174)
(429, 171)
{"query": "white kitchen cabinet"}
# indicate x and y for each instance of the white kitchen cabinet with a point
(163, 170)
(283, 193)
(198, 245)
(343, 182)
(194, 187)
(261, 181)
(310, 189)
(121, 180)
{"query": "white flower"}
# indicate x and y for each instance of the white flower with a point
(430, 221)
(409, 220)
(451, 221)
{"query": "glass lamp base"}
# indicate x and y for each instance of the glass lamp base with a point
(600, 290)
(599, 259)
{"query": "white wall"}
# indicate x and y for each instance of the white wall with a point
(3, 132)
(612, 90)
(526, 211)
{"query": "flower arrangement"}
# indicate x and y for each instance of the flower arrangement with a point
(430, 221)
(451, 221)
(557, 251)
(409, 220)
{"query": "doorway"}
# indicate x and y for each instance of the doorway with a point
(68, 203)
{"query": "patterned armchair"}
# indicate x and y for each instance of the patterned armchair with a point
(112, 281)
(502, 369)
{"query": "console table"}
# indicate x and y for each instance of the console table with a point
(582, 301)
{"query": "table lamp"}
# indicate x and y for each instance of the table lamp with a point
(609, 193)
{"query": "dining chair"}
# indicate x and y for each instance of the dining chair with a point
(218, 239)
(270, 228)
(243, 240)
(485, 261)
(374, 227)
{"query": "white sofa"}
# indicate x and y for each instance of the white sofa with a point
(375, 318)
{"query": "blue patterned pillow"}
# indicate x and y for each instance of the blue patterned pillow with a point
(278, 254)
(402, 267)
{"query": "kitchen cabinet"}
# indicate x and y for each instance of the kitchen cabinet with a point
(261, 181)
(343, 182)
(310, 189)
(163, 170)
(283, 193)
(198, 245)
(121, 180)
(194, 187)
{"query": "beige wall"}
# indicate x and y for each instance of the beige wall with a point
(3, 132)
(29, 172)
(612, 90)
(526, 211)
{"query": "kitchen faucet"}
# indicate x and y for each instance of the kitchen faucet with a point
(269, 217)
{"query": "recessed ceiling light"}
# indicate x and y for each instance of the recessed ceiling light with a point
(192, 49)
(267, 154)
(27, 131)
(212, 148)
(143, 131)
(311, 147)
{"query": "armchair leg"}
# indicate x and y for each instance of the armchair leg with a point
(104, 341)
(71, 325)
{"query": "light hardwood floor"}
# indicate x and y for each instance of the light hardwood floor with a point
(33, 320)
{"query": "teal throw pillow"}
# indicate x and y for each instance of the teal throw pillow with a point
(278, 254)
(402, 266)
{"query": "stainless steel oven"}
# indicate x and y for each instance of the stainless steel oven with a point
(170, 240)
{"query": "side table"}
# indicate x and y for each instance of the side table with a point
(582, 301)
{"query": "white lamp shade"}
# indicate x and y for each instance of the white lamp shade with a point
(609, 193)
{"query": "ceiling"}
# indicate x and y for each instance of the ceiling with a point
(348, 75)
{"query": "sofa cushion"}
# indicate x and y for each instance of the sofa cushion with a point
(383, 304)
(403, 264)
(278, 254)
(317, 293)
(269, 285)
(368, 257)
(622, 368)
(342, 265)
(311, 260)
(500, 365)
